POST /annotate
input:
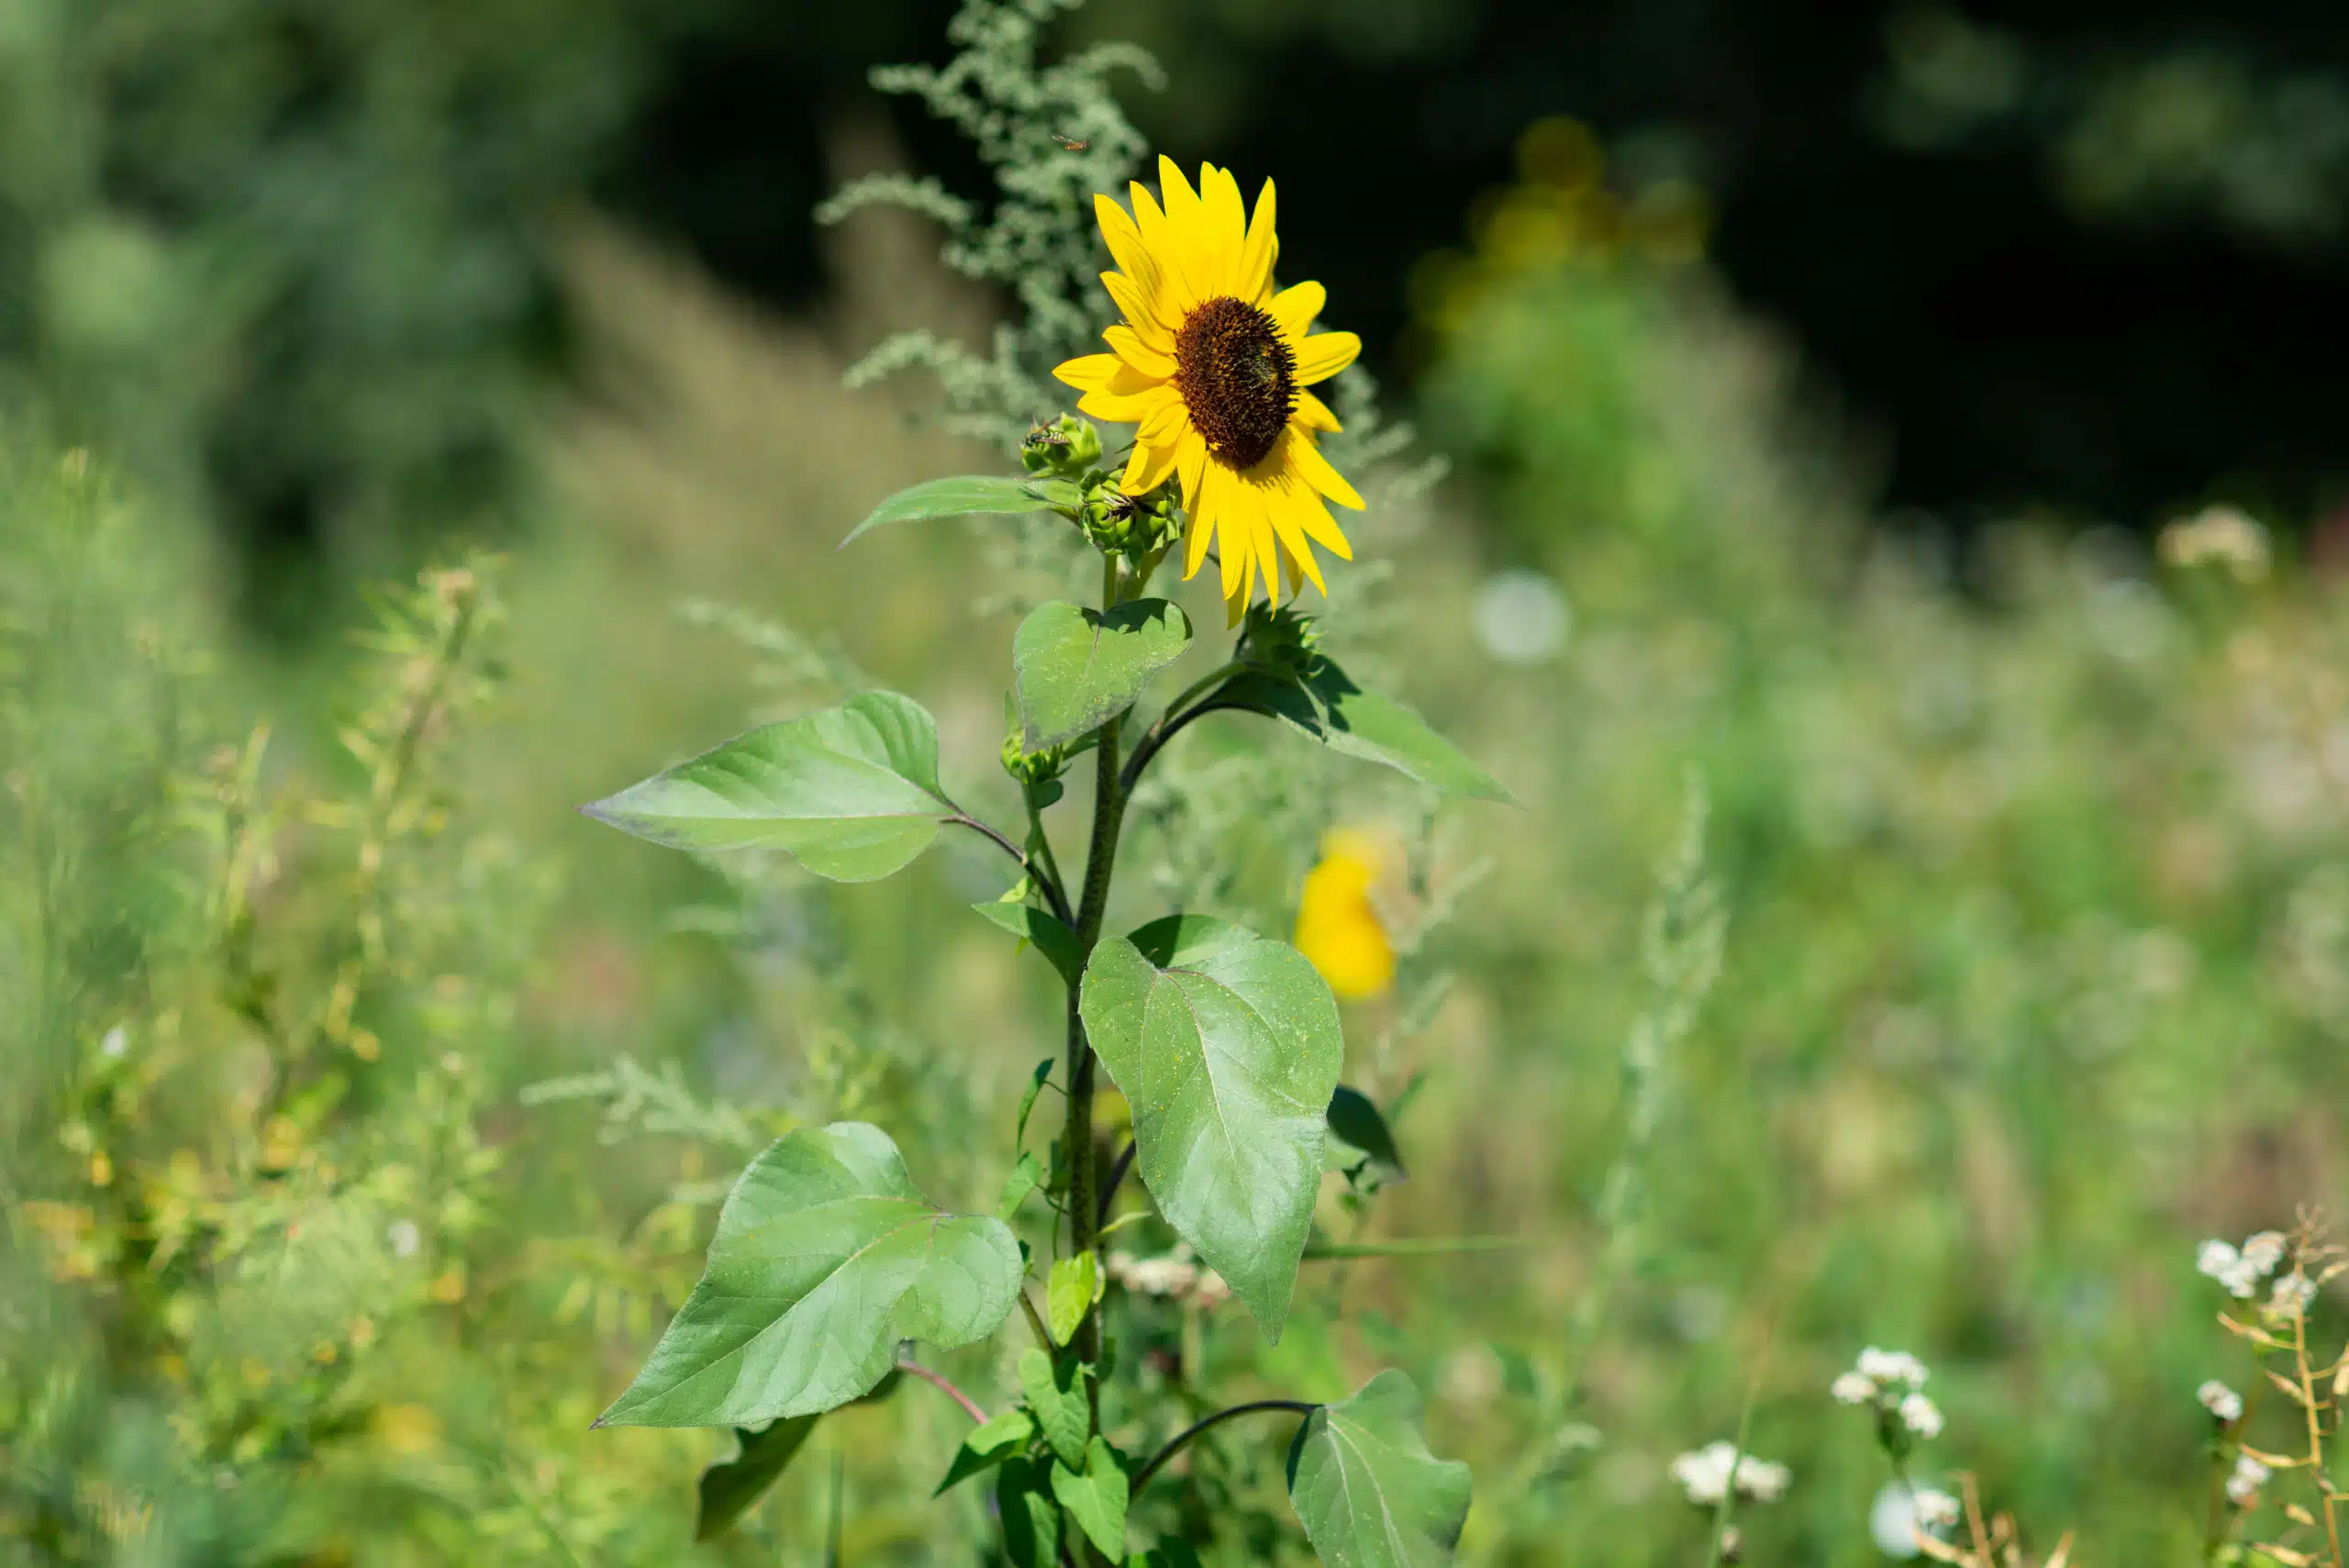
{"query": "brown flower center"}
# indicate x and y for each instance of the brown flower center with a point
(1238, 378)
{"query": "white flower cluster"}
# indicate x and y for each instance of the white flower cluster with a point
(2292, 1295)
(1891, 1381)
(2242, 1486)
(1704, 1474)
(2220, 1401)
(1174, 1276)
(1902, 1511)
(2241, 1268)
(1936, 1509)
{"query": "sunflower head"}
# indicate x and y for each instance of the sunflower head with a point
(1211, 366)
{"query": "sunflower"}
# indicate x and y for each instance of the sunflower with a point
(1211, 366)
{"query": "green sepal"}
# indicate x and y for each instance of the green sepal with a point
(1365, 1487)
(729, 1488)
(963, 495)
(990, 1444)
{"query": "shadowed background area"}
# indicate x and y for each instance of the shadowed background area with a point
(1911, 429)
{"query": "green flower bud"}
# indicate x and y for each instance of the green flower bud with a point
(1278, 636)
(1065, 447)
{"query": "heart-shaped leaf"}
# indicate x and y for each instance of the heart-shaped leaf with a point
(1319, 700)
(1076, 668)
(1043, 929)
(729, 1488)
(966, 494)
(989, 1445)
(1227, 1045)
(1096, 1498)
(1365, 1487)
(825, 1257)
(1055, 1393)
(851, 791)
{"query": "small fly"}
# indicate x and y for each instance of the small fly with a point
(1069, 144)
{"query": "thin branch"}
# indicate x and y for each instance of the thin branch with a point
(940, 1381)
(1043, 879)
(1175, 1443)
(1109, 1187)
(1163, 731)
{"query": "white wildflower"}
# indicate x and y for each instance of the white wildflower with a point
(1900, 1511)
(1854, 1388)
(403, 1237)
(1704, 1475)
(1936, 1509)
(1892, 1369)
(2220, 1400)
(2243, 1486)
(2264, 1251)
(2293, 1293)
(1920, 1416)
(116, 1041)
(1211, 1291)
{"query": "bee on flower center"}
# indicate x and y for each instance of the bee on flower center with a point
(1237, 376)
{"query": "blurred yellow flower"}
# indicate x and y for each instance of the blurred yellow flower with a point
(1338, 928)
(1211, 365)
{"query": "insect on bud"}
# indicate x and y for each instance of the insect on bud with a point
(1067, 448)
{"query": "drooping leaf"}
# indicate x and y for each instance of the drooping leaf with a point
(1074, 667)
(1032, 1517)
(851, 791)
(1365, 1487)
(729, 1487)
(963, 495)
(989, 1445)
(1096, 1498)
(1227, 1045)
(1321, 700)
(1025, 1177)
(825, 1257)
(1070, 1293)
(1354, 1120)
(1043, 929)
(1055, 1394)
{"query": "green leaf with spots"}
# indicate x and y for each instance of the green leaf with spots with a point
(851, 791)
(1096, 1498)
(965, 494)
(1365, 1487)
(1227, 1045)
(1076, 668)
(825, 1257)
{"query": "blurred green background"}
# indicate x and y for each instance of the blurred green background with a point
(1919, 425)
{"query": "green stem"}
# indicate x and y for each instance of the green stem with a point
(1176, 1444)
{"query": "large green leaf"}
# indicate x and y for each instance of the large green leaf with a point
(728, 1488)
(1227, 1046)
(825, 1258)
(1096, 1498)
(851, 791)
(1321, 700)
(966, 494)
(1076, 668)
(1367, 1490)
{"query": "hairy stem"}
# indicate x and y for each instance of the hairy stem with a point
(1176, 1444)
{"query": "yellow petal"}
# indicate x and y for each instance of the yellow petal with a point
(1139, 353)
(1166, 427)
(1252, 279)
(1148, 468)
(1140, 311)
(1264, 543)
(1310, 466)
(1314, 414)
(1177, 293)
(1133, 256)
(1091, 371)
(1223, 229)
(1294, 307)
(1284, 505)
(1324, 355)
(1129, 409)
(1191, 462)
(1231, 537)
